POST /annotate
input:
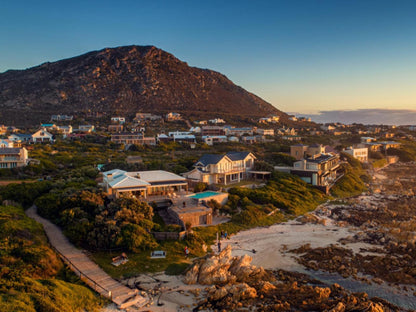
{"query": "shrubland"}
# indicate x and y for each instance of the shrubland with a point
(32, 277)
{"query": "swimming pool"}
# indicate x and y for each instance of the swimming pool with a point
(204, 194)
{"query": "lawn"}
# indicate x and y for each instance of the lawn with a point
(174, 263)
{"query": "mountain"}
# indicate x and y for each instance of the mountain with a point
(123, 80)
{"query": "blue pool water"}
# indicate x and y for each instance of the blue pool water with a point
(204, 194)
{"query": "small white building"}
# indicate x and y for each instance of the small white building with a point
(265, 131)
(65, 130)
(217, 121)
(118, 120)
(173, 116)
(6, 143)
(359, 153)
(86, 128)
(212, 139)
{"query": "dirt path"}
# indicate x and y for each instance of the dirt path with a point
(86, 269)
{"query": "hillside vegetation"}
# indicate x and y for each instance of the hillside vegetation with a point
(32, 277)
(353, 181)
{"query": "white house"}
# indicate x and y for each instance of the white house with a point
(86, 128)
(6, 143)
(211, 139)
(42, 136)
(118, 120)
(217, 121)
(265, 131)
(359, 153)
(20, 137)
(223, 169)
(143, 183)
(65, 130)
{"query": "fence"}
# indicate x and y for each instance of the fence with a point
(105, 292)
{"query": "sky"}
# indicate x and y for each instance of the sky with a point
(304, 57)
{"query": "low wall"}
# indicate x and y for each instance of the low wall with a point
(169, 235)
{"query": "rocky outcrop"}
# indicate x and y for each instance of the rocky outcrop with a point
(224, 269)
(236, 285)
(126, 79)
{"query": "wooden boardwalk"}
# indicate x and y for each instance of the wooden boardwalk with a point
(86, 269)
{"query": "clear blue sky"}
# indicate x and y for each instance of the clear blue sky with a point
(301, 56)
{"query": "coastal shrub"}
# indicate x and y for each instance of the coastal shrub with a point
(25, 193)
(350, 184)
(30, 275)
(284, 191)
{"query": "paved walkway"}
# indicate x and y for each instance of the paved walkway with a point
(86, 269)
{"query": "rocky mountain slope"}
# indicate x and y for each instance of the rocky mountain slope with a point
(125, 80)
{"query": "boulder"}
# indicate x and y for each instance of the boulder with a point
(237, 292)
(340, 307)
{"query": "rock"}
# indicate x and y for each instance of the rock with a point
(340, 307)
(223, 269)
(218, 293)
(242, 291)
(266, 287)
(191, 277)
(322, 292)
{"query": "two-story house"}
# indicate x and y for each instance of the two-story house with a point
(360, 153)
(42, 136)
(222, 169)
(319, 170)
(11, 157)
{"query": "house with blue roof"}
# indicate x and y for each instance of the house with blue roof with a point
(222, 169)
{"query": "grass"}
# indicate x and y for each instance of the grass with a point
(141, 262)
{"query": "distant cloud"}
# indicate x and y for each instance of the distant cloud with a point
(366, 116)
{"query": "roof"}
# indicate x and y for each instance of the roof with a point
(123, 181)
(210, 159)
(153, 176)
(237, 155)
(9, 150)
(114, 172)
(321, 158)
(183, 136)
(21, 135)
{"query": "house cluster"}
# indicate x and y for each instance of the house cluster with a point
(270, 119)
(40, 136)
(68, 130)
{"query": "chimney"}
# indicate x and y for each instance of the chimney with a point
(109, 177)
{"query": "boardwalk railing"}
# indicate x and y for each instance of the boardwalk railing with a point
(104, 292)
